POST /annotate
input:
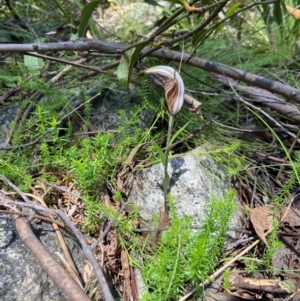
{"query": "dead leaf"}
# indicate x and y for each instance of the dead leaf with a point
(293, 11)
(87, 274)
(261, 219)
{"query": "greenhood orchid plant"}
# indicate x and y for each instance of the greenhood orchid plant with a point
(174, 93)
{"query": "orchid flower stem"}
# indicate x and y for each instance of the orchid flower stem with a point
(174, 93)
(166, 181)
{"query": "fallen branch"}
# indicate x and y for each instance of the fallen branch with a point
(15, 188)
(118, 48)
(263, 97)
(248, 104)
(59, 276)
(274, 287)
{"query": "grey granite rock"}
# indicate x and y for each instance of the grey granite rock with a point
(195, 179)
(21, 276)
(7, 116)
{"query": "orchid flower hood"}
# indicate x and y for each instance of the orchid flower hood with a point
(173, 85)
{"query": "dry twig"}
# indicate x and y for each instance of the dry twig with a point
(58, 275)
(117, 48)
(89, 256)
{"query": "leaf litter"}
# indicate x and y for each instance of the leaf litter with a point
(261, 219)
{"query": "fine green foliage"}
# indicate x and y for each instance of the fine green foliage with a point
(16, 168)
(186, 255)
(292, 182)
(274, 245)
(253, 266)
(294, 178)
(281, 196)
(89, 162)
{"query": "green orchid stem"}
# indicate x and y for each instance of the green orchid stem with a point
(166, 181)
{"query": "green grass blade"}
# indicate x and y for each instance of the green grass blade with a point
(178, 133)
(67, 15)
(281, 144)
(160, 153)
(134, 57)
(86, 14)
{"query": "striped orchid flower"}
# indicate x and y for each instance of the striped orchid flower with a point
(173, 85)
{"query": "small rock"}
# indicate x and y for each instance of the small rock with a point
(195, 179)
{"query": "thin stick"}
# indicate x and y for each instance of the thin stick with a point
(60, 237)
(15, 188)
(5, 201)
(70, 269)
(37, 216)
(60, 60)
(89, 256)
(47, 131)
